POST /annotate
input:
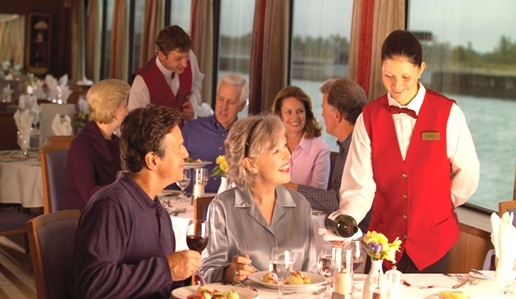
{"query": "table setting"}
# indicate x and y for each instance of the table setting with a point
(20, 180)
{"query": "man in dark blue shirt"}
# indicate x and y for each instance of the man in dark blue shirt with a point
(204, 137)
(125, 246)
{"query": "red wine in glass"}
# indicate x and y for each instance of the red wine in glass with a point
(197, 239)
(197, 243)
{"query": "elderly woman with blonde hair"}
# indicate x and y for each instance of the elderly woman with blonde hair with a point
(94, 154)
(247, 221)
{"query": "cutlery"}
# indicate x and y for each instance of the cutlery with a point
(319, 291)
(246, 284)
(463, 282)
(481, 274)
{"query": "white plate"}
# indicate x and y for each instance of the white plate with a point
(243, 293)
(315, 280)
(488, 274)
(197, 164)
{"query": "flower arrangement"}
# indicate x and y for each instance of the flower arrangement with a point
(221, 168)
(379, 248)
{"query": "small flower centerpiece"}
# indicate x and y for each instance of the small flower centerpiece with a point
(378, 249)
(221, 168)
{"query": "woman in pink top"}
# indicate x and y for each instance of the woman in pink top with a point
(310, 162)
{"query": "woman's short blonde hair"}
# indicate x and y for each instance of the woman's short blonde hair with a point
(250, 137)
(104, 97)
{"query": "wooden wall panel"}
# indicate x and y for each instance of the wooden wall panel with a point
(470, 250)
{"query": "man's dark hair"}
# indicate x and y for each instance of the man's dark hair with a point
(143, 131)
(173, 38)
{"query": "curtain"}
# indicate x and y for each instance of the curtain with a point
(119, 50)
(93, 40)
(153, 22)
(388, 16)
(77, 41)
(201, 29)
(372, 22)
(269, 53)
(12, 39)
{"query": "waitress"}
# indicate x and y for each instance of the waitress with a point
(412, 158)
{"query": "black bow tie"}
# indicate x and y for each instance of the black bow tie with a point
(396, 110)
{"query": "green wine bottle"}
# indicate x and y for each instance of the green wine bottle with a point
(342, 225)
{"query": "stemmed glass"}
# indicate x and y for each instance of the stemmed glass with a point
(197, 239)
(280, 267)
(358, 256)
(24, 143)
(184, 182)
(327, 265)
(505, 276)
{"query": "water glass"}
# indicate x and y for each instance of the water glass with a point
(184, 182)
(327, 265)
(280, 267)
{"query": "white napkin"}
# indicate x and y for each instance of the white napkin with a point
(6, 93)
(58, 91)
(23, 120)
(504, 241)
(329, 235)
(62, 125)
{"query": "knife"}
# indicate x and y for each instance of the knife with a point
(481, 274)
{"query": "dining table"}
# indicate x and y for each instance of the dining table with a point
(20, 180)
(418, 286)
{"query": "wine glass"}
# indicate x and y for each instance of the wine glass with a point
(505, 275)
(280, 267)
(184, 182)
(197, 239)
(327, 265)
(358, 257)
(24, 143)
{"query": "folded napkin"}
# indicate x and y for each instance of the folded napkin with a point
(30, 102)
(504, 242)
(23, 120)
(6, 93)
(58, 91)
(329, 235)
(62, 125)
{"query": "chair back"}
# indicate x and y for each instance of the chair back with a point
(51, 241)
(507, 206)
(200, 205)
(53, 167)
(13, 222)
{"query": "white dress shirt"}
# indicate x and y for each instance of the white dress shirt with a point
(139, 95)
(358, 186)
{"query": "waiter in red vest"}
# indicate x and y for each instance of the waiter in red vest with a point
(170, 78)
(412, 158)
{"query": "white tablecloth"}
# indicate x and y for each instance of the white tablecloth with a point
(485, 289)
(20, 181)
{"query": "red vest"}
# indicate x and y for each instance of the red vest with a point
(159, 89)
(413, 197)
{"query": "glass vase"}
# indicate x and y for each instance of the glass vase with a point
(225, 184)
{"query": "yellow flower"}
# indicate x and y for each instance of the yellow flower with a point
(379, 248)
(221, 168)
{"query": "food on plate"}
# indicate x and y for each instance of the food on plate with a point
(205, 293)
(295, 278)
(190, 160)
(452, 295)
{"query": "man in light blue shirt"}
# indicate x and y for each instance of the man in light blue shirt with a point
(204, 137)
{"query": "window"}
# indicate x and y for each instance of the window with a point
(320, 48)
(236, 24)
(180, 14)
(470, 54)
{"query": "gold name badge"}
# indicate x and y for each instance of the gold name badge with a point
(431, 136)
